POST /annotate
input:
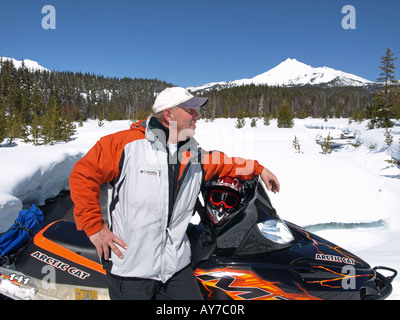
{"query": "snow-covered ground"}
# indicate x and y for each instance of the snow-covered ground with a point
(351, 197)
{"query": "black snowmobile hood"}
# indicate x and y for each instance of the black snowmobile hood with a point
(241, 234)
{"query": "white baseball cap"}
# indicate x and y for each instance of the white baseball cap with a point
(177, 96)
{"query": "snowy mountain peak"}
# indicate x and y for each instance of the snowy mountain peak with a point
(29, 64)
(293, 73)
(292, 64)
(284, 73)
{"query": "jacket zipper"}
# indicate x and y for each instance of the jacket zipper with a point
(178, 188)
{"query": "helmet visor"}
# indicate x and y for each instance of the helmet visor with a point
(225, 198)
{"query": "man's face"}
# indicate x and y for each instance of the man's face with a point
(185, 122)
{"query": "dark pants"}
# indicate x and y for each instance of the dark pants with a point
(182, 286)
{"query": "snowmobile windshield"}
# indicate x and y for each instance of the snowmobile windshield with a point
(276, 231)
(272, 227)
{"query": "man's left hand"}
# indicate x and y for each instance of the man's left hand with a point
(270, 181)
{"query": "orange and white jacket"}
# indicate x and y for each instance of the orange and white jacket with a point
(151, 195)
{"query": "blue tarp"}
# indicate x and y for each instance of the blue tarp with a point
(28, 222)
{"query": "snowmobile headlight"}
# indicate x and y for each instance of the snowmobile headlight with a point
(276, 231)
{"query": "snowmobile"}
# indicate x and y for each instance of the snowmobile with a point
(241, 250)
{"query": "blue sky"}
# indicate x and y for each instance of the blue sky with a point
(191, 42)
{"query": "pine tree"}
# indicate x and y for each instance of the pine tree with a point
(266, 117)
(35, 130)
(296, 145)
(3, 124)
(388, 137)
(326, 145)
(240, 122)
(285, 116)
(384, 104)
(387, 67)
(51, 122)
(358, 114)
(14, 128)
(67, 130)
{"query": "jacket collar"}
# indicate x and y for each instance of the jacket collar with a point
(158, 134)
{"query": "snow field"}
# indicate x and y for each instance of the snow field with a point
(351, 186)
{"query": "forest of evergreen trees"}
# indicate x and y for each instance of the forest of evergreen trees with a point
(305, 101)
(45, 107)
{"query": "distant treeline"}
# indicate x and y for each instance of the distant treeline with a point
(44, 107)
(305, 101)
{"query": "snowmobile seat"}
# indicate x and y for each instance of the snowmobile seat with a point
(65, 234)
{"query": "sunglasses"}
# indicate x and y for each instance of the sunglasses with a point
(223, 197)
(192, 111)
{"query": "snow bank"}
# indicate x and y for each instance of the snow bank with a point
(34, 174)
(353, 185)
(9, 208)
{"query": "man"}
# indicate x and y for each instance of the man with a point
(154, 173)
